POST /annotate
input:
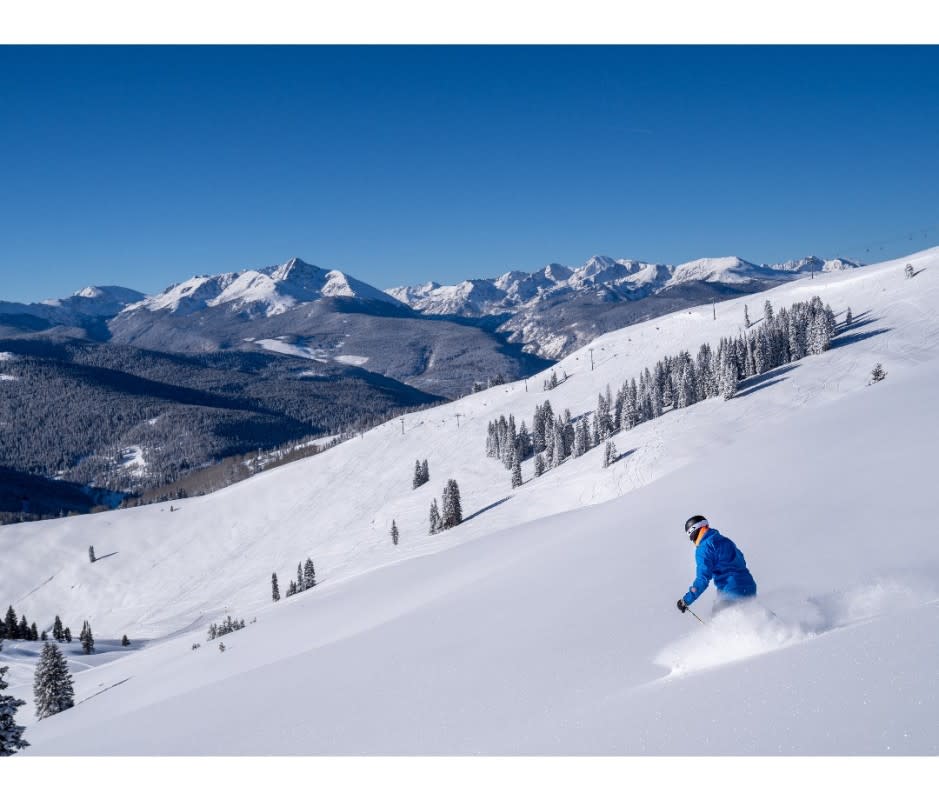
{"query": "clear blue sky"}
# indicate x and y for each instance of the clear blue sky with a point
(144, 166)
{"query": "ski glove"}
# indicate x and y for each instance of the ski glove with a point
(682, 606)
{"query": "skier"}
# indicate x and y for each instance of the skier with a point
(719, 558)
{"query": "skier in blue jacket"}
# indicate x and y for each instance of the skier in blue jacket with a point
(719, 558)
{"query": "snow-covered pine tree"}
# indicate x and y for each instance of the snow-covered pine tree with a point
(300, 583)
(728, 384)
(524, 442)
(309, 574)
(213, 632)
(768, 312)
(539, 465)
(43, 637)
(814, 339)
(425, 471)
(848, 317)
(291, 588)
(58, 633)
(537, 430)
(434, 517)
(67, 633)
(908, 271)
(275, 589)
(394, 532)
(23, 631)
(11, 734)
(52, 684)
(87, 639)
(878, 373)
(580, 439)
(417, 480)
(452, 507)
(516, 474)
(609, 453)
(746, 316)
(91, 554)
(568, 433)
(33, 633)
(557, 451)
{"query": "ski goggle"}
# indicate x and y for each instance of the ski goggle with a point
(692, 529)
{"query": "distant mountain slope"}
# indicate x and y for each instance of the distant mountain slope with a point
(557, 309)
(324, 315)
(77, 410)
(87, 311)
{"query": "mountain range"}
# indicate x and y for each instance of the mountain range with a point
(555, 310)
(224, 364)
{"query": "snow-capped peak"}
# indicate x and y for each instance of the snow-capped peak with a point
(267, 291)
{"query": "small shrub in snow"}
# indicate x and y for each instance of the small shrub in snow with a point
(877, 373)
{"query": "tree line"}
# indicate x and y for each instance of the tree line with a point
(675, 381)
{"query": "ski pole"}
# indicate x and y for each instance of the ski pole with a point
(695, 616)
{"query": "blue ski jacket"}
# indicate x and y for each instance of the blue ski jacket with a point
(719, 558)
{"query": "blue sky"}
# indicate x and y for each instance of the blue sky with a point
(144, 166)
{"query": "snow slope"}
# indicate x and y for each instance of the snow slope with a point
(546, 622)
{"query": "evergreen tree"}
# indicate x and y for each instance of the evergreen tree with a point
(908, 271)
(418, 475)
(52, 685)
(221, 647)
(67, 633)
(301, 585)
(10, 623)
(539, 465)
(91, 554)
(11, 734)
(516, 474)
(57, 631)
(848, 317)
(609, 453)
(33, 633)
(292, 589)
(768, 312)
(728, 385)
(275, 589)
(425, 471)
(87, 639)
(435, 521)
(23, 631)
(580, 438)
(394, 532)
(125, 642)
(524, 442)
(452, 508)
(877, 373)
(746, 316)
(557, 451)
(309, 574)
(43, 637)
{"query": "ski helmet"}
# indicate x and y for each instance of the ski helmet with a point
(695, 524)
